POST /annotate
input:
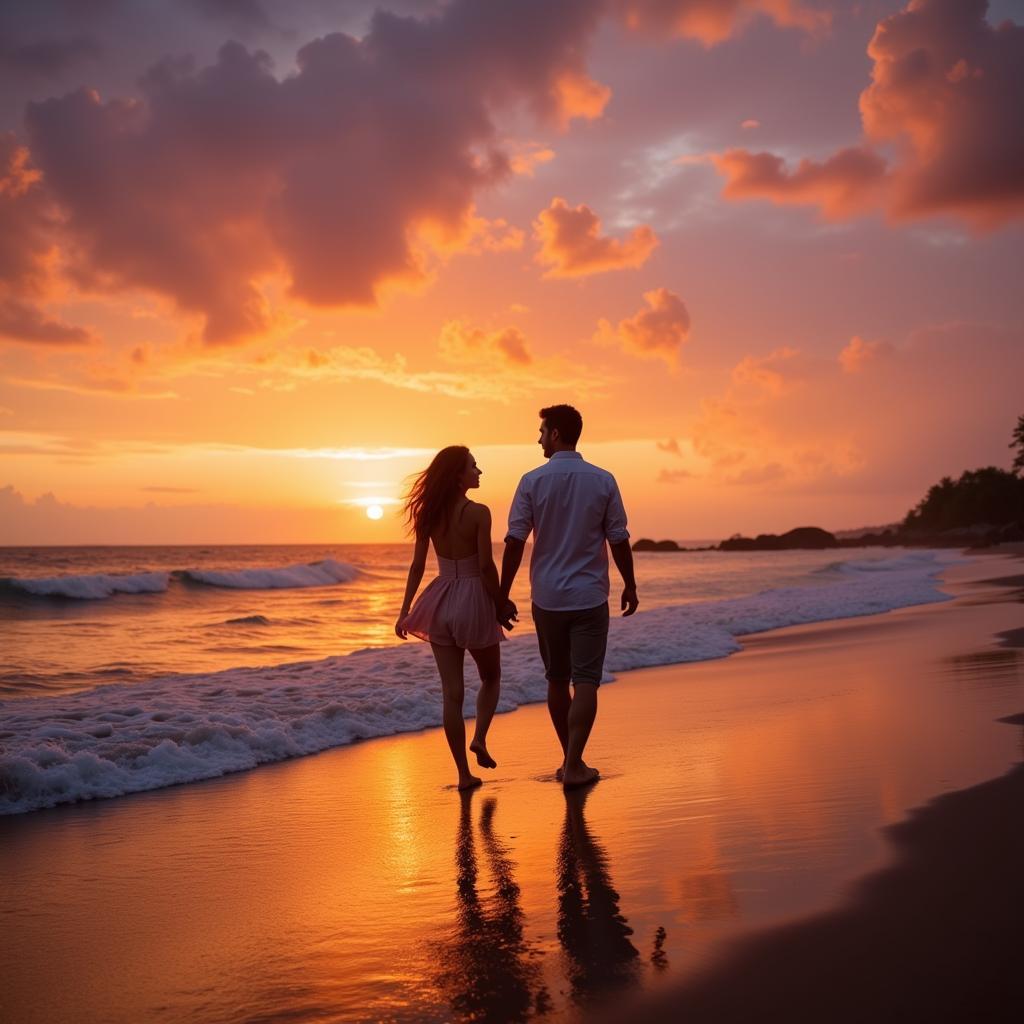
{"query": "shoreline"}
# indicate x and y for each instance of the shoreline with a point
(358, 885)
(284, 711)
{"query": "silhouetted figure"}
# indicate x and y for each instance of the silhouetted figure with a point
(593, 932)
(489, 972)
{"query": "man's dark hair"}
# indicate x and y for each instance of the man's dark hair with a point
(566, 420)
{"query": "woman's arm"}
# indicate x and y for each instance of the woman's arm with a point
(485, 552)
(419, 561)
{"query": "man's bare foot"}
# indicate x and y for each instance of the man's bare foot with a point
(470, 782)
(583, 776)
(482, 757)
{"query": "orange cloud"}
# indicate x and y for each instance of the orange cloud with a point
(658, 331)
(858, 354)
(572, 244)
(819, 427)
(460, 344)
(218, 179)
(713, 21)
(847, 183)
(945, 92)
(27, 225)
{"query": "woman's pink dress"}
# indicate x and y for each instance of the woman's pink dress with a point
(455, 610)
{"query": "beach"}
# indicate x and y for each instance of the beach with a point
(741, 800)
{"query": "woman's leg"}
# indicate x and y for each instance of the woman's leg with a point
(449, 666)
(488, 664)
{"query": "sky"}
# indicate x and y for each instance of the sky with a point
(260, 259)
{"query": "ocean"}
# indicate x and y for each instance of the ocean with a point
(131, 668)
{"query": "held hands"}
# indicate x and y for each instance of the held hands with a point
(507, 613)
(629, 600)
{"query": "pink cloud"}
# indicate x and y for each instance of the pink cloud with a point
(713, 21)
(658, 331)
(218, 178)
(859, 354)
(945, 94)
(571, 243)
(847, 183)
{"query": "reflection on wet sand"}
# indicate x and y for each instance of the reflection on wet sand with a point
(599, 956)
(488, 971)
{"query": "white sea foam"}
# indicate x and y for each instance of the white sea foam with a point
(92, 588)
(126, 738)
(316, 574)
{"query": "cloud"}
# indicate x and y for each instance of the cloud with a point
(673, 476)
(671, 446)
(946, 88)
(750, 122)
(460, 344)
(492, 367)
(21, 321)
(339, 177)
(657, 331)
(713, 21)
(526, 158)
(847, 183)
(27, 224)
(946, 401)
(945, 97)
(47, 57)
(572, 244)
(859, 354)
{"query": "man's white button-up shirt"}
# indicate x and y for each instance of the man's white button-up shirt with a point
(572, 508)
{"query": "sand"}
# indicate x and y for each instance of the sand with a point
(741, 801)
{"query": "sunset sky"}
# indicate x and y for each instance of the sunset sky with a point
(259, 259)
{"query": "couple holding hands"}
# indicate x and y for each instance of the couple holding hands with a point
(573, 509)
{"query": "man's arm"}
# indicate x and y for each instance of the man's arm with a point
(618, 540)
(510, 562)
(520, 523)
(623, 555)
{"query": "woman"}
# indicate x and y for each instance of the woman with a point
(457, 611)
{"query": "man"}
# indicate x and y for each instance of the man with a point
(573, 509)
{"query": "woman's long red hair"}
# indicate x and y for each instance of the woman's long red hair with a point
(429, 501)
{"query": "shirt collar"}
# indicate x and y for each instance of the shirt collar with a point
(566, 455)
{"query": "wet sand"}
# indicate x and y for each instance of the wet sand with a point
(938, 936)
(740, 798)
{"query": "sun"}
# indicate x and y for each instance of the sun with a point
(374, 512)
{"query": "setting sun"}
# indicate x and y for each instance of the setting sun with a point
(374, 512)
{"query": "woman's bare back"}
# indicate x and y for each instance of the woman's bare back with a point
(459, 537)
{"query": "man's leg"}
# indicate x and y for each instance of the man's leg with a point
(553, 643)
(588, 636)
(559, 703)
(582, 713)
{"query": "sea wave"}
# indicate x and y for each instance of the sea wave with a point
(95, 587)
(120, 739)
(89, 588)
(315, 574)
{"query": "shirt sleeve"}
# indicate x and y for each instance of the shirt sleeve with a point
(520, 515)
(615, 517)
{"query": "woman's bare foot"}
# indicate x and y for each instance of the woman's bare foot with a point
(482, 757)
(559, 772)
(582, 776)
(470, 782)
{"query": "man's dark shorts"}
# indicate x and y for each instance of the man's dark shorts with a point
(573, 643)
